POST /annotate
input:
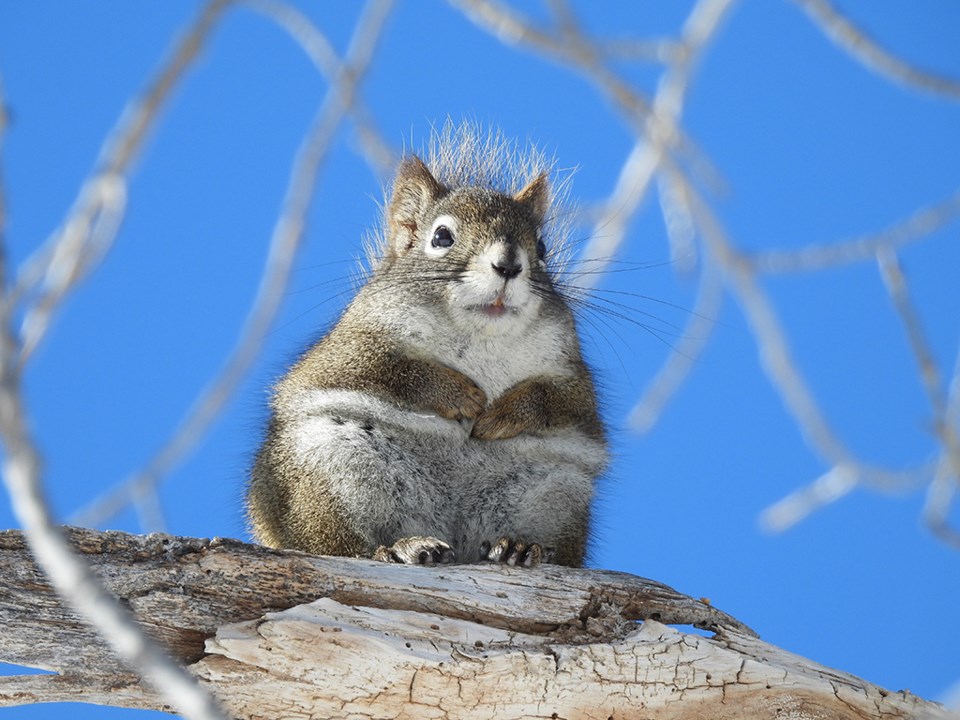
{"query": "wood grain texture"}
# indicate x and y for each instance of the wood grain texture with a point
(283, 634)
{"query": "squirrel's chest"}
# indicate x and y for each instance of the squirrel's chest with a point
(499, 362)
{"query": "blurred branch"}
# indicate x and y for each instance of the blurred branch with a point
(896, 284)
(648, 152)
(834, 484)
(775, 353)
(940, 496)
(286, 240)
(573, 48)
(781, 369)
(379, 155)
(648, 409)
(817, 257)
(90, 228)
(4, 119)
(943, 489)
(856, 42)
(658, 51)
(70, 575)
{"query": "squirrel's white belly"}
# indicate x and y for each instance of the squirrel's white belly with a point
(422, 474)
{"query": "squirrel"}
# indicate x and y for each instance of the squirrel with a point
(448, 415)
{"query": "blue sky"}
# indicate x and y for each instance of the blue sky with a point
(810, 146)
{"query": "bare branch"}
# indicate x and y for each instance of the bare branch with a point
(896, 284)
(70, 576)
(856, 42)
(828, 488)
(942, 488)
(286, 240)
(571, 48)
(771, 339)
(660, 51)
(785, 376)
(283, 634)
(648, 409)
(681, 232)
(939, 499)
(509, 27)
(865, 247)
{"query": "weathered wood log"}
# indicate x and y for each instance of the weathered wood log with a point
(282, 634)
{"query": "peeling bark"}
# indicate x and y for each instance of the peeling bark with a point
(282, 634)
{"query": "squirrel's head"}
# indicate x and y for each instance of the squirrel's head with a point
(479, 251)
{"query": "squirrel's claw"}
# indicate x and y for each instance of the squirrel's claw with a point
(515, 552)
(416, 550)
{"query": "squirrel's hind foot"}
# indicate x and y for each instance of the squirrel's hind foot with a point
(416, 550)
(514, 552)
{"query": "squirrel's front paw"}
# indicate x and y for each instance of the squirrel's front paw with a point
(416, 550)
(494, 425)
(473, 402)
(508, 416)
(462, 398)
(514, 552)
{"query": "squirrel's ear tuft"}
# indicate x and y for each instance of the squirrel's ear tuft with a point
(536, 196)
(414, 188)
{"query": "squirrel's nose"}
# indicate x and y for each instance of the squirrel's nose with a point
(507, 270)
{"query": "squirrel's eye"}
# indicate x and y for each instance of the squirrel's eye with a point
(541, 249)
(442, 237)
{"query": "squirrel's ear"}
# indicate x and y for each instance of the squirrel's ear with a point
(536, 196)
(413, 189)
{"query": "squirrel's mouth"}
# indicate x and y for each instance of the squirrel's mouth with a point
(496, 309)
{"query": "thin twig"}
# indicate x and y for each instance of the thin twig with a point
(828, 488)
(942, 488)
(675, 369)
(681, 232)
(939, 499)
(856, 42)
(896, 284)
(777, 358)
(659, 51)
(379, 155)
(572, 49)
(71, 576)
(918, 226)
(4, 119)
(644, 160)
(775, 353)
(284, 244)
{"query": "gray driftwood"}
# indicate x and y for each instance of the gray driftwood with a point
(282, 634)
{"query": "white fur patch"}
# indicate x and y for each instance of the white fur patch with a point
(481, 285)
(496, 362)
(361, 407)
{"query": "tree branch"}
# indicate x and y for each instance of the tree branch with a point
(280, 634)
